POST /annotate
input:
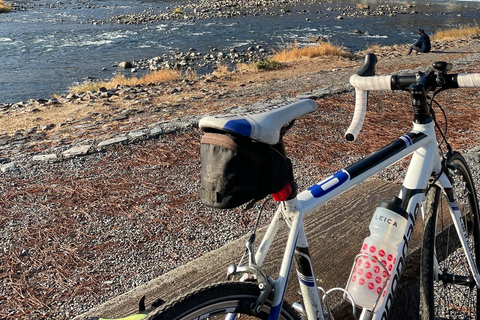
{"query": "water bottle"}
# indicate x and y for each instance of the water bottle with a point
(379, 253)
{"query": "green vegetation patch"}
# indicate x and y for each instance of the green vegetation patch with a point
(269, 64)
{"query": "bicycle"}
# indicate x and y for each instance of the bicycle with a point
(438, 184)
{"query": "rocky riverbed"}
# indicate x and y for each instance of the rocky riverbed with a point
(232, 8)
(103, 195)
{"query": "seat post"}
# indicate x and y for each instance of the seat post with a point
(280, 147)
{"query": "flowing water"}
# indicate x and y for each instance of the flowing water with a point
(47, 46)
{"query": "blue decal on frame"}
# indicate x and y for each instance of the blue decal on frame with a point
(329, 184)
(275, 312)
(408, 141)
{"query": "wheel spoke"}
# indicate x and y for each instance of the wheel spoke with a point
(454, 294)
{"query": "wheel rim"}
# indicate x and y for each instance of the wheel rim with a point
(455, 293)
(233, 309)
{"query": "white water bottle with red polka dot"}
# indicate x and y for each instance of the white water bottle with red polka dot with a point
(378, 255)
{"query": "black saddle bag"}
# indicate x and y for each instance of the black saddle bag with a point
(237, 170)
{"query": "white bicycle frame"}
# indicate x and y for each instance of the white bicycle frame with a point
(425, 163)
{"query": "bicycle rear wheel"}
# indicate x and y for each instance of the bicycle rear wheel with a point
(230, 300)
(447, 289)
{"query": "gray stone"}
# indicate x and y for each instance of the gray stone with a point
(72, 96)
(44, 157)
(32, 130)
(125, 65)
(9, 167)
(76, 151)
(134, 135)
(111, 141)
(156, 131)
(120, 117)
(4, 141)
(53, 101)
(314, 94)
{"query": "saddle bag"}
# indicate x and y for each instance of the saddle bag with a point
(237, 170)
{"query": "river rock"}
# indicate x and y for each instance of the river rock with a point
(125, 65)
(9, 167)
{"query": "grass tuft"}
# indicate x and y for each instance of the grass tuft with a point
(243, 67)
(295, 52)
(4, 8)
(379, 48)
(221, 70)
(361, 6)
(456, 33)
(164, 75)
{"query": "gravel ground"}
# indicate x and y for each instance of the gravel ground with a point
(77, 232)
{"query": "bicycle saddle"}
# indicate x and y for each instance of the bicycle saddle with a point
(262, 125)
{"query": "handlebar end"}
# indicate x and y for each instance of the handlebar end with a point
(368, 68)
(349, 137)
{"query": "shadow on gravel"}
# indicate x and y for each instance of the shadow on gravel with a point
(453, 52)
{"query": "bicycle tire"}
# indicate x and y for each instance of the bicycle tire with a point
(452, 294)
(217, 301)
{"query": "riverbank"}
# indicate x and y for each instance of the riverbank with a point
(39, 125)
(79, 41)
(100, 190)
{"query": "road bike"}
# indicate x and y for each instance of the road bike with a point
(244, 160)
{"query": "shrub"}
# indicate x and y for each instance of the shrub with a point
(456, 33)
(269, 64)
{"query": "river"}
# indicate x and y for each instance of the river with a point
(47, 46)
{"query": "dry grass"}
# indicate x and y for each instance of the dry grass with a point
(164, 75)
(361, 6)
(295, 52)
(4, 8)
(290, 54)
(378, 48)
(51, 115)
(221, 70)
(456, 33)
(246, 67)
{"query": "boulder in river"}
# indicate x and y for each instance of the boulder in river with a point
(125, 65)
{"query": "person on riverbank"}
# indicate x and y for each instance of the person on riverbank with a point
(422, 45)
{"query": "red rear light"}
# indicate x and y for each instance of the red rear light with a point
(283, 194)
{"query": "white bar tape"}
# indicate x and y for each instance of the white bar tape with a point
(371, 83)
(361, 99)
(468, 80)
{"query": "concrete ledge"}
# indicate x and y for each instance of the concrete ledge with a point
(335, 231)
